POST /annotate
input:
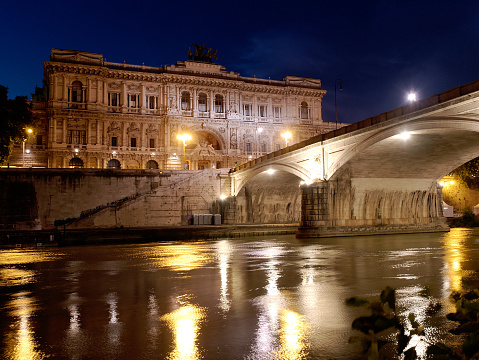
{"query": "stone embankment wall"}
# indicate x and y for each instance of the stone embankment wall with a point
(35, 198)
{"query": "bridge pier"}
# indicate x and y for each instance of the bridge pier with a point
(350, 207)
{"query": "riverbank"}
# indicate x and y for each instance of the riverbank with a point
(74, 237)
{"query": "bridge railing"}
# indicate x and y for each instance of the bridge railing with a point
(404, 110)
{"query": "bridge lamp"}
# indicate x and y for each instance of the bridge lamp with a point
(411, 97)
(404, 135)
(184, 138)
(29, 131)
(286, 135)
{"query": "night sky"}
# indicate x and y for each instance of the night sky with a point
(380, 49)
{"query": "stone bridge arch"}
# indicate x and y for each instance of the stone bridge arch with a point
(435, 147)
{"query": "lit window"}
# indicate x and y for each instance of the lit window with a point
(304, 110)
(247, 109)
(202, 101)
(277, 112)
(185, 100)
(133, 100)
(219, 104)
(262, 110)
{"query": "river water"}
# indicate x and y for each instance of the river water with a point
(273, 297)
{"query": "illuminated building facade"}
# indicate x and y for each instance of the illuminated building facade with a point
(99, 114)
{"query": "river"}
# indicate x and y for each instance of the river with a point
(274, 297)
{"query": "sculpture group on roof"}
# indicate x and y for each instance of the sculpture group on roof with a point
(201, 53)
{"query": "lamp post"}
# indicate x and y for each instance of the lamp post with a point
(258, 132)
(184, 138)
(29, 131)
(286, 136)
(336, 82)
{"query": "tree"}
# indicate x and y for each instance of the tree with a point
(468, 173)
(15, 117)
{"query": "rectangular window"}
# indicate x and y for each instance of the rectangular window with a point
(113, 141)
(133, 142)
(39, 140)
(277, 112)
(248, 147)
(277, 147)
(114, 99)
(152, 143)
(76, 137)
(133, 100)
(247, 109)
(151, 102)
(263, 147)
(262, 110)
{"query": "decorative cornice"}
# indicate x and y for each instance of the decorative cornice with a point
(238, 84)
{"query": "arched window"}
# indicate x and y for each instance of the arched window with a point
(113, 164)
(77, 91)
(304, 110)
(152, 164)
(202, 101)
(219, 104)
(76, 163)
(185, 101)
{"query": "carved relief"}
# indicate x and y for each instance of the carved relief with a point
(133, 128)
(114, 127)
(233, 139)
(114, 86)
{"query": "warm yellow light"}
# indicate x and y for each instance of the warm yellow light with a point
(222, 197)
(270, 171)
(184, 138)
(451, 182)
(286, 135)
(29, 130)
(441, 183)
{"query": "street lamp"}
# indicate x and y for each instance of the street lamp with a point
(336, 82)
(286, 136)
(258, 132)
(184, 138)
(411, 97)
(29, 131)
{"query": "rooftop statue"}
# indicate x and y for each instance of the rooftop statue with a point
(201, 53)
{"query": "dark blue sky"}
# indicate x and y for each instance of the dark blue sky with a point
(380, 49)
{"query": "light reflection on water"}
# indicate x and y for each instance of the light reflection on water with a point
(264, 298)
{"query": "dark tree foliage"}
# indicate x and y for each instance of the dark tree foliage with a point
(468, 173)
(15, 117)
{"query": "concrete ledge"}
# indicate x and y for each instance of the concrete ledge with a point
(73, 237)
(318, 232)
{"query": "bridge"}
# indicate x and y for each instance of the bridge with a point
(379, 175)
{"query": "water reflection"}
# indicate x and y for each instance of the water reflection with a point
(224, 252)
(281, 333)
(185, 323)
(454, 244)
(181, 257)
(21, 343)
(271, 298)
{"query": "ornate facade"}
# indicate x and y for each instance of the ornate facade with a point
(100, 114)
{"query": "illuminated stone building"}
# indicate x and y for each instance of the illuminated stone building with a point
(100, 114)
